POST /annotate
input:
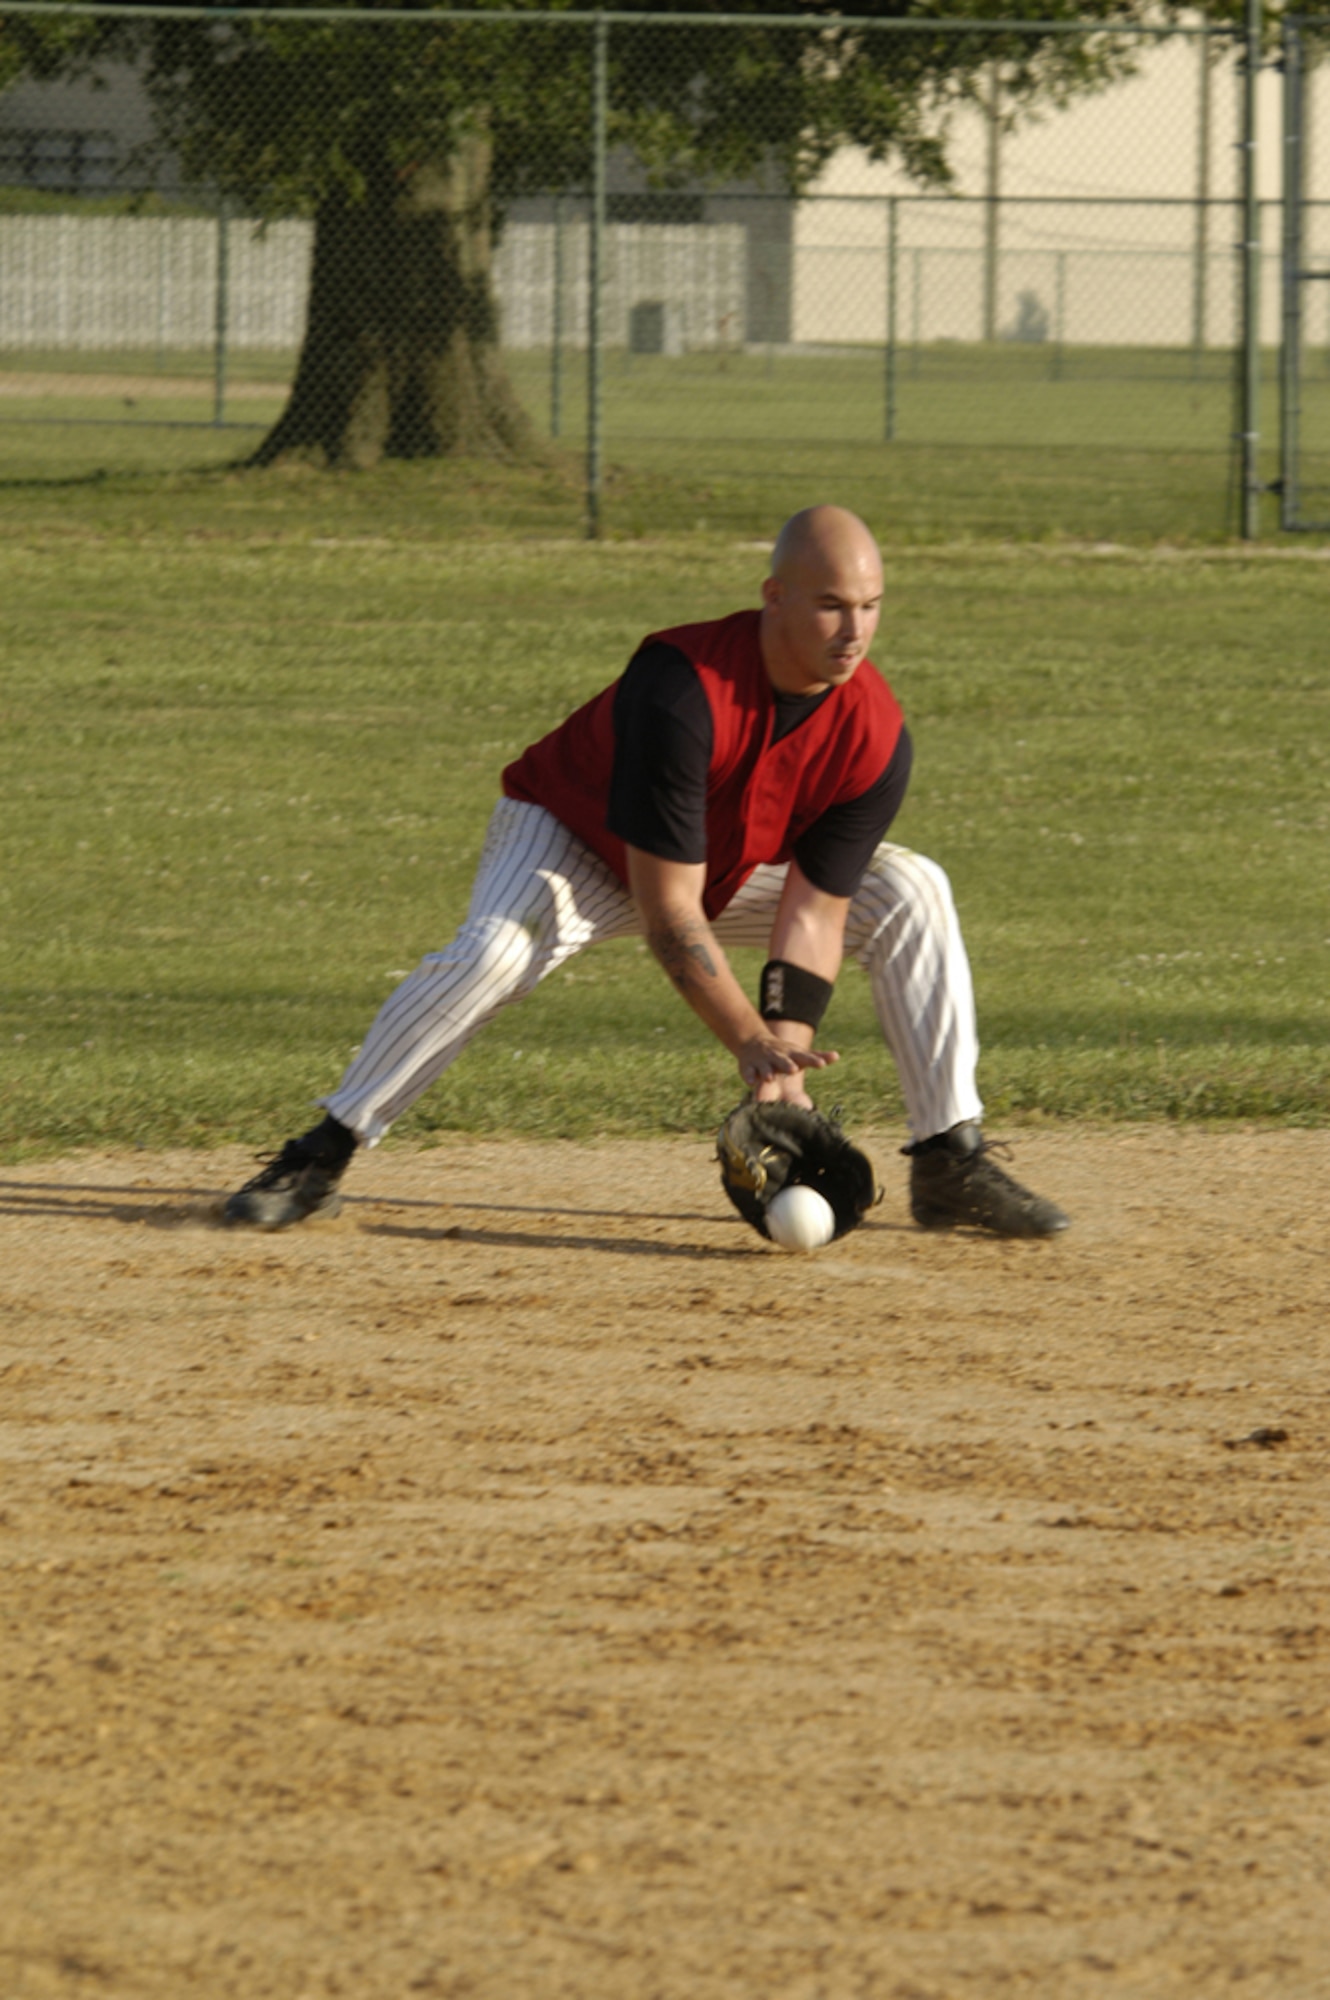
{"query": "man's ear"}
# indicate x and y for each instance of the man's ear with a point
(771, 592)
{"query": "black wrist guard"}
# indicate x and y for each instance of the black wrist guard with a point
(792, 993)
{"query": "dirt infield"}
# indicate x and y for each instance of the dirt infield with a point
(522, 1586)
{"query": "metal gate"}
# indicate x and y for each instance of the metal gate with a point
(1304, 470)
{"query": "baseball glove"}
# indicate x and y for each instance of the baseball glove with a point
(765, 1147)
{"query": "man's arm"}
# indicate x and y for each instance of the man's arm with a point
(809, 931)
(668, 895)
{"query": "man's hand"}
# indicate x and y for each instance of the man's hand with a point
(772, 1065)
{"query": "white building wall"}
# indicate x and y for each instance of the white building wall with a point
(150, 282)
(695, 269)
(1097, 217)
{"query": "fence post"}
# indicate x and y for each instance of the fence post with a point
(556, 330)
(223, 314)
(1290, 355)
(1249, 433)
(893, 268)
(1201, 250)
(599, 98)
(991, 208)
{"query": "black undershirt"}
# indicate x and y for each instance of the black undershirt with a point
(658, 788)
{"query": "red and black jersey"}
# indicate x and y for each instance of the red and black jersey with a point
(755, 776)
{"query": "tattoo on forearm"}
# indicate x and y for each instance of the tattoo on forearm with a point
(684, 951)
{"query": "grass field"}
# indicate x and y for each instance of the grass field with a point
(1010, 439)
(254, 725)
(1023, 440)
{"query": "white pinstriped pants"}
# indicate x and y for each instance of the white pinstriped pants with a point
(540, 896)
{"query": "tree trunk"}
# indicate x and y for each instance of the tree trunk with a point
(401, 357)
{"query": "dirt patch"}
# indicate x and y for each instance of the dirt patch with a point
(526, 1586)
(130, 388)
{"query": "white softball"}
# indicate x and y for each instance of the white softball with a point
(799, 1218)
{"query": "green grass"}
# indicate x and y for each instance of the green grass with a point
(1005, 394)
(1008, 440)
(253, 726)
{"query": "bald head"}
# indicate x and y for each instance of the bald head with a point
(821, 601)
(824, 538)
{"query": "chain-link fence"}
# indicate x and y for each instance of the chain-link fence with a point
(692, 245)
(1305, 346)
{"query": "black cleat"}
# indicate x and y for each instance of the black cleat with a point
(955, 1182)
(297, 1183)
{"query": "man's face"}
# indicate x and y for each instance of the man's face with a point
(823, 617)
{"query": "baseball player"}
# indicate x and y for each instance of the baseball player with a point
(733, 786)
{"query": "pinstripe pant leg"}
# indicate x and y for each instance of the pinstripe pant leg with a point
(904, 931)
(748, 917)
(539, 897)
